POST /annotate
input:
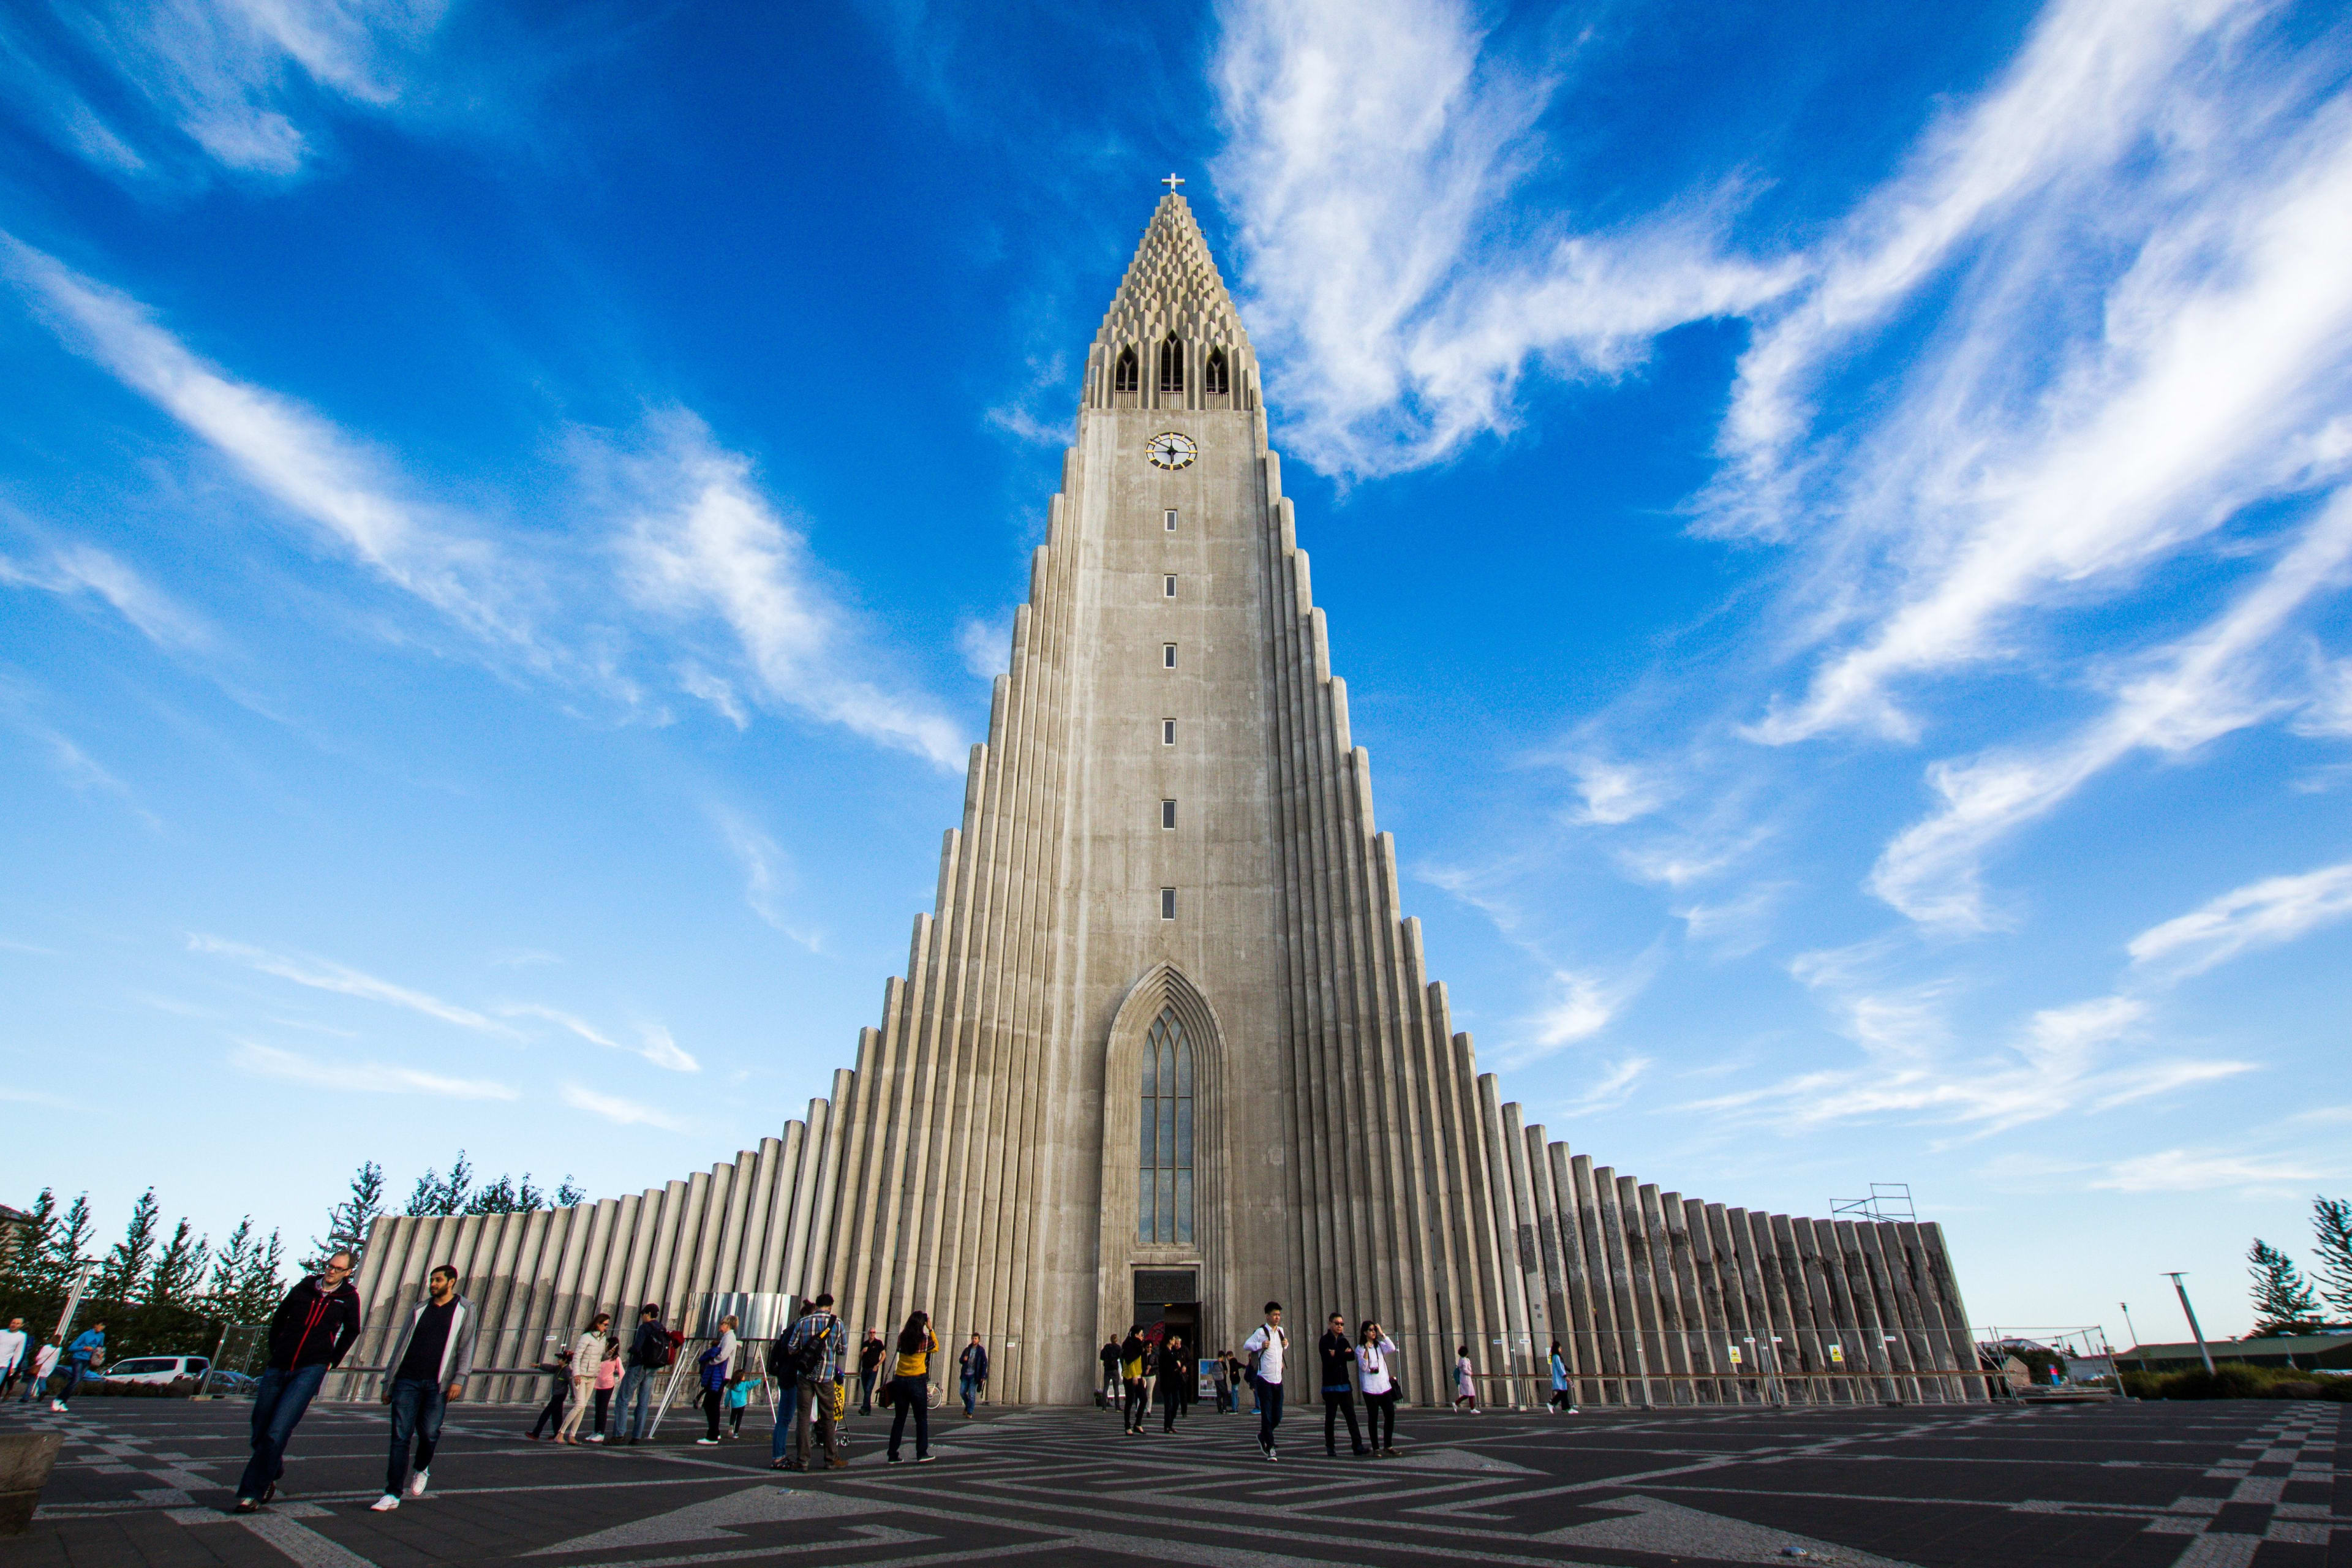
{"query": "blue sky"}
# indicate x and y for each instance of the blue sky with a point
(1836, 524)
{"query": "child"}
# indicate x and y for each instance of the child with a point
(739, 1398)
(608, 1378)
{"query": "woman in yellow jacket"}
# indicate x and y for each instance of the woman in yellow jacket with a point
(910, 1385)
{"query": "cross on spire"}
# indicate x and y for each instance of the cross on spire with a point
(1171, 181)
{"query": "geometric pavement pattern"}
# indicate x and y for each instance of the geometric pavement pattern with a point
(2221, 1484)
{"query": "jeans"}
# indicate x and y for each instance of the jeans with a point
(1135, 1404)
(1225, 1396)
(1379, 1412)
(1338, 1402)
(815, 1401)
(33, 1384)
(581, 1387)
(971, 1393)
(416, 1407)
(788, 1400)
(636, 1384)
(552, 1416)
(1269, 1413)
(865, 1391)
(1172, 1400)
(912, 1395)
(279, 1398)
(713, 1401)
(604, 1408)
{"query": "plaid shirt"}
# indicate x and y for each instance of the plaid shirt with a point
(832, 1341)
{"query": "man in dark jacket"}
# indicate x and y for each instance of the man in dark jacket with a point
(870, 1363)
(973, 1364)
(307, 1335)
(649, 1351)
(1337, 1354)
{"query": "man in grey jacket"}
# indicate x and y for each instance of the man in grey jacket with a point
(427, 1368)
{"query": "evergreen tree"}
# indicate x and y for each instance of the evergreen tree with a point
(178, 1275)
(569, 1195)
(26, 1270)
(2283, 1303)
(229, 1267)
(498, 1197)
(2331, 1218)
(436, 1196)
(347, 1222)
(69, 1247)
(261, 1288)
(125, 1268)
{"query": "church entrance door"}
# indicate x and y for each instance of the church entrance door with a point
(1169, 1297)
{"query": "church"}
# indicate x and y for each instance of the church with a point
(1167, 1045)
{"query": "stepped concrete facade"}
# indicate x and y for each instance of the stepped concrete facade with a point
(1167, 1045)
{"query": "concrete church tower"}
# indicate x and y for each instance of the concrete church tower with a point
(1167, 1045)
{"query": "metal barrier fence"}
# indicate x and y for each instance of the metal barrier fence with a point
(1648, 1369)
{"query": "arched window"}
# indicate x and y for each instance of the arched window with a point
(1164, 1208)
(1212, 374)
(1122, 376)
(1171, 364)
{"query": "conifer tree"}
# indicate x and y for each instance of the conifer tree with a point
(229, 1267)
(26, 1267)
(262, 1287)
(125, 1267)
(178, 1275)
(347, 1222)
(2283, 1303)
(2331, 1220)
(436, 1196)
(568, 1195)
(69, 1247)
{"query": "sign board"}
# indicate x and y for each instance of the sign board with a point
(1735, 1356)
(1837, 1355)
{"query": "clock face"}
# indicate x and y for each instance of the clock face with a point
(1170, 449)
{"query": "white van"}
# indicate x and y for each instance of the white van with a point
(157, 1368)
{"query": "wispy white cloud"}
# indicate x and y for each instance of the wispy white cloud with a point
(76, 569)
(2201, 687)
(1582, 1004)
(1613, 793)
(2204, 1170)
(324, 974)
(986, 646)
(613, 1108)
(352, 495)
(766, 871)
(235, 79)
(703, 541)
(1370, 148)
(1613, 1087)
(2267, 913)
(363, 1077)
(657, 1046)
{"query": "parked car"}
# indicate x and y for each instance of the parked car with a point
(157, 1368)
(226, 1382)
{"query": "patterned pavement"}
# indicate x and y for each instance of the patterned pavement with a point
(142, 1484)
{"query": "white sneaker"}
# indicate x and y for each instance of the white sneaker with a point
(595, 1437)
(383, 1504)
(416, 1483)
(704, 1442)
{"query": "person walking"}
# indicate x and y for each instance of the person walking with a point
(550, 1414)
(716, 1364)
(814, 1354)
(1133, 1355)
(45, 1362)
(88, 1351)
(1374, 1352)
(1264, 1348)
(650, 1349)
(869, 1366)
(13, 1346)
(429, 1367)
(1561, 1399)
(1106, 1396)
(608, 1378)
(1221, 1379)
(1339, 1360)
(1466, 1381)
(587, 1355)
(1172, 1367)
(910, 1385)
(309, 1333)
(972, 1369)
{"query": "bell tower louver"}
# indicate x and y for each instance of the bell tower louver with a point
(1167, 1035)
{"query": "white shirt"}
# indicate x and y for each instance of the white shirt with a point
(1372, 1361)
(12, 1346)
(1269, 1343)
(45, 1361)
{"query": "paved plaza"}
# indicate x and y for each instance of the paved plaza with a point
(2200, 1485)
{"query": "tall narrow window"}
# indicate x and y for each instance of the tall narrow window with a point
(1167, 903)
(1167, 587)
(1212, 374)
(1168, 732)
(1168, 520)
(1171, 364)
(1164, 1196)
(1123, 377)
(1167, 814)
(1168, 655)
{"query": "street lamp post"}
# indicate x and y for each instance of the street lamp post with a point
(2202, 1353)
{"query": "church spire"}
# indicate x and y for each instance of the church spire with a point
(1171, 338)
